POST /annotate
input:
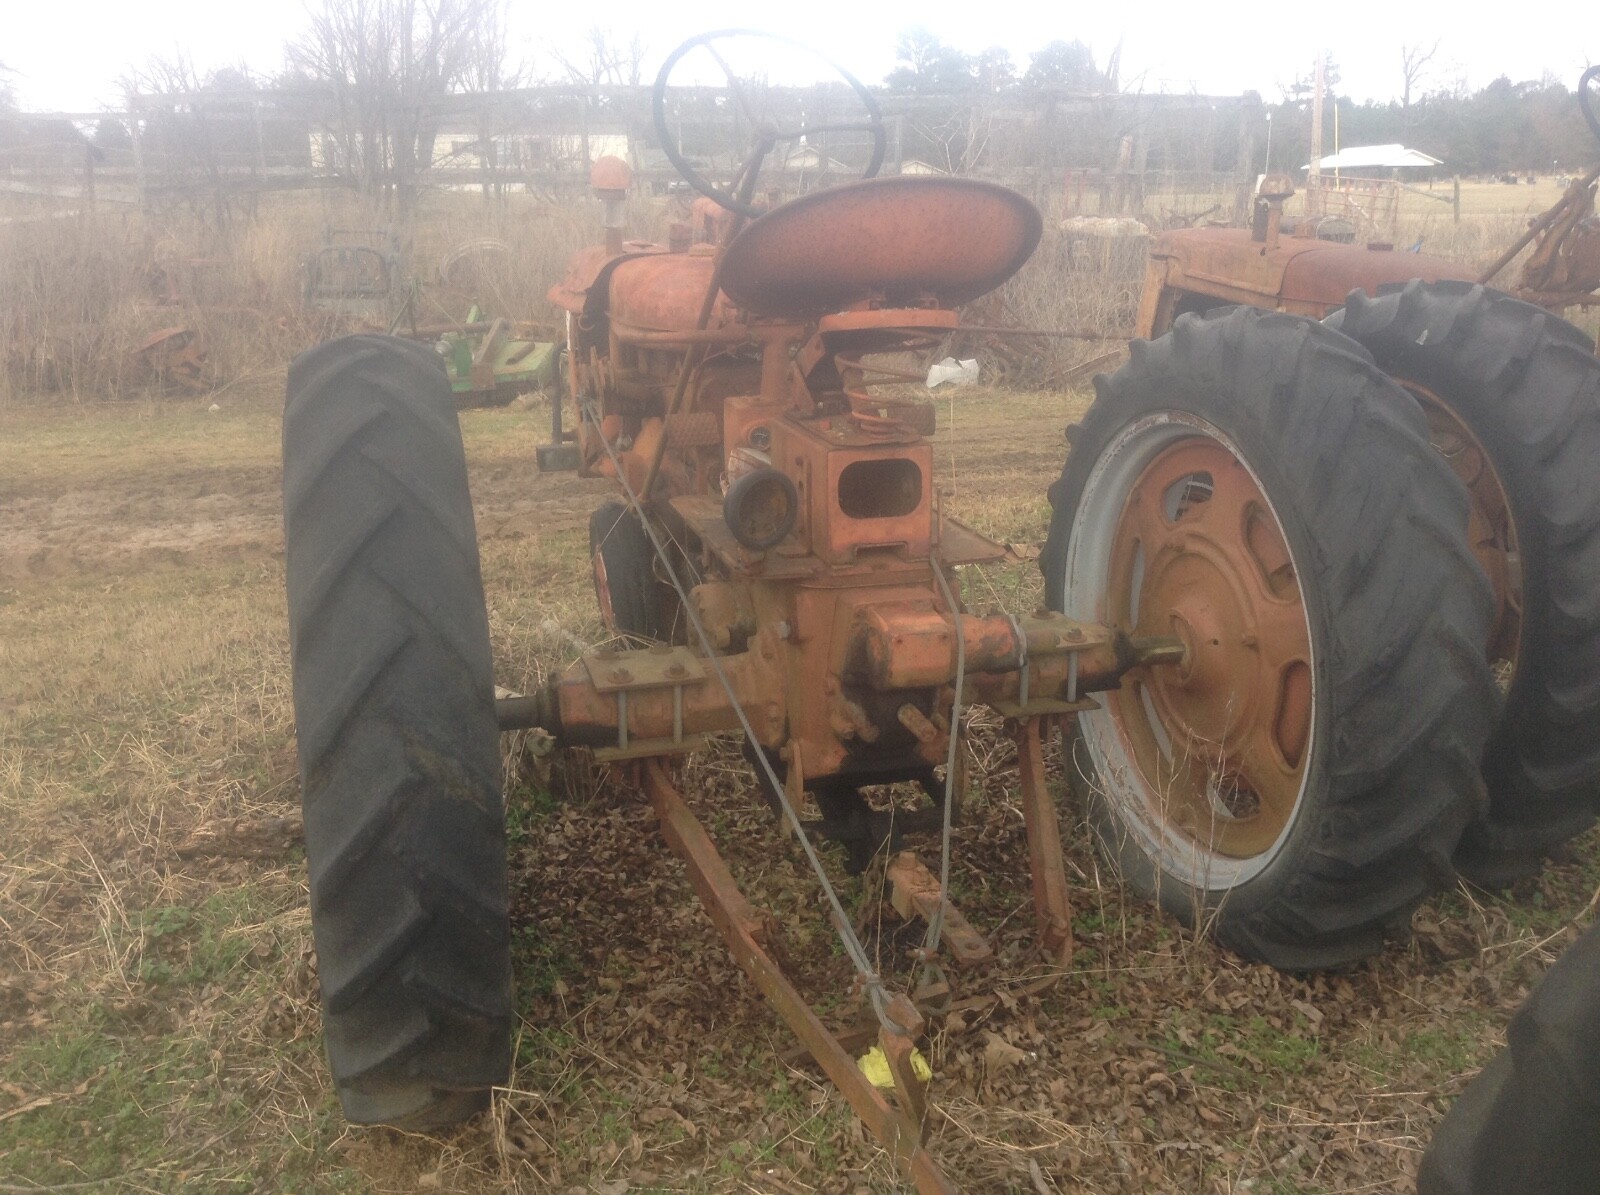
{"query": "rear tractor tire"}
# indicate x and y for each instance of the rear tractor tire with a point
(1512, 398)
(1253, 485)
(399, 748)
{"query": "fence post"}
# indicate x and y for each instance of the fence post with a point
(138, 155)
(1455, 197)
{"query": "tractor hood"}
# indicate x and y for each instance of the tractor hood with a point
(1303, 274)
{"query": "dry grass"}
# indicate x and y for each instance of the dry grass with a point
(83, 294)
(157, 988)
(157, 985)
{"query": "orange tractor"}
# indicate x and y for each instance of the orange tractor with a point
(1264, 639)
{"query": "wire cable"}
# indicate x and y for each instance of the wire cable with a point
(936, 922)
(872, 983)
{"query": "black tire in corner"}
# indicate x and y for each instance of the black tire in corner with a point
(399, 748)
(1302, 817)
(1526, 385)
(1530, 1119)
(622, 560)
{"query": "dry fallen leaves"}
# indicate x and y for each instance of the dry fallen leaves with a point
(999, 1055)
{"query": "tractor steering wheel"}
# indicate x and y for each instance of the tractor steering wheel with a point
(766, 135)
(1586, 103)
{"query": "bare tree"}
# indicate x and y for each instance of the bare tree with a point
(603, 57)
(386, 65)
(1413, 59)
(960, 139)
(186, 127)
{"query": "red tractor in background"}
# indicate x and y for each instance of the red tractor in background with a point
(1267, 638)
(1308, 264)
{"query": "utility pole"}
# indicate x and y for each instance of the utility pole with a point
(1314, 178)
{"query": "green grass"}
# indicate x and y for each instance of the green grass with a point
(123, 442)
(151, 1077)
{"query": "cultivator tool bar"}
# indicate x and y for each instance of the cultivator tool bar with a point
(902, 1125)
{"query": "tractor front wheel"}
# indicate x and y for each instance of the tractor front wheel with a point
(1253, 485)
(622, 560)
(399, 748)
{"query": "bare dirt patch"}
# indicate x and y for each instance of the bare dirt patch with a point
(229, 513)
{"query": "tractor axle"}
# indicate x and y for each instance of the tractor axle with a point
(663, 699)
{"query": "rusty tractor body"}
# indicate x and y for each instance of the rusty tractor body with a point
(1275, 728)
(1276, 264)
(746, 427)
(1285, 265)
(1309, 266)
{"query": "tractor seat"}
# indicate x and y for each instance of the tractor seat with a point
(904, 242)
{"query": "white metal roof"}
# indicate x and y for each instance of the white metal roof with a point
(1369, 157)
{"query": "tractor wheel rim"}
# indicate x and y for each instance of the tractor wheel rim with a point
(602, 591)
(1206, 762)
(1491, 529)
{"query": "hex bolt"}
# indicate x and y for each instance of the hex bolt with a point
(619, 676)
(676, 670)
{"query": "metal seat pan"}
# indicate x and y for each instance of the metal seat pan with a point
(899, 241)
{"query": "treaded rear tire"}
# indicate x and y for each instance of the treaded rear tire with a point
(1397, 611)
(1527, 385)
(398, 744)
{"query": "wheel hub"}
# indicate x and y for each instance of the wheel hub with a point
(1491, 532)
(1222, 737)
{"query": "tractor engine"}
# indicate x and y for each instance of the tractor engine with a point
(730, 388)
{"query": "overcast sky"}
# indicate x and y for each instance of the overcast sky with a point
(68, 55)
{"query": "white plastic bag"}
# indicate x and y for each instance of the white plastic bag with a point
(957, 373)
